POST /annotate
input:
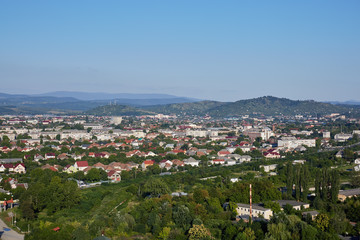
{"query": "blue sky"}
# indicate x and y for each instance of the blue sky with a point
(219, 50)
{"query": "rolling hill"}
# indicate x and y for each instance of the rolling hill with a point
(268, 105)
(118, 110)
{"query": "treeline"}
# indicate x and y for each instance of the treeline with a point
(48, 191)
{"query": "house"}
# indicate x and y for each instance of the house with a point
(268, 168)
(313, 214)
(339, 154)
(70, 169)
(38, 157)
(243, 210)
(192, 162)
(147, 163)
(230, 162)
(296, 205)
(299, 162)
(165, 164)
(357, 161)
(19, 168)
(47, 166)
(81, 165)
(114, 176)
(99, 165)
(272, 155)
(223, 153)
(218, 161)
(62, 156)
(244, 158)
(6, 166)
(178, 163)
(342, 137)
(344, 194)
(49, 156)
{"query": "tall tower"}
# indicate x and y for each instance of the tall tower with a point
(250, 217)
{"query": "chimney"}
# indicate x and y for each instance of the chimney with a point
(250, 203)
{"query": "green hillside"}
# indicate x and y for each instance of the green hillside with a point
(258, 106)
(194, 108)
(279, 106)
(117, 110)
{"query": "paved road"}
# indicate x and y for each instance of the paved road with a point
(338, 147)
(9, 235)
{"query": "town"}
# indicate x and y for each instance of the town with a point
(300, 165)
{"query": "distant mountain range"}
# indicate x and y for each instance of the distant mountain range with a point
(350, 102)
(63, 102)
(88, 96)
(139, 104)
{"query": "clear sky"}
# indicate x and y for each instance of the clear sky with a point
(219, 50)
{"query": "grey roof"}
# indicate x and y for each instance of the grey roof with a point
(11, 160)
(350, 192)
(191, 160)
(293, 203)
(254, 206)
(312, 213)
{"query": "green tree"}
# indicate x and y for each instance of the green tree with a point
(305, 182)
(164, 234)
(182, 217)
(322, 222)
(278, 231)
(199, 232)
(335, 185)
(155, 186)
(289, 180)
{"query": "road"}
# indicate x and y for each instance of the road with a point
(9, 235)
(339, 147)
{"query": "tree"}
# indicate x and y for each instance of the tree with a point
(278, 231)
(249, 234)
(238, 151)
(355, 180)
(297, 181)
(322, 222)
(93, 175)
(289, 180)
(335, 185)
(305, 182)
(164, 234)
(27, 210)
(5, 141)
(155, 187)
(182, 217)
(200, 195)
(274, 206)
(199, 232)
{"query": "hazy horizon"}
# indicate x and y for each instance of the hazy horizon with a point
(160, 97)
(224, 51)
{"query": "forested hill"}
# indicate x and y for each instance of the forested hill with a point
(118, 110)
(194, 108)
(280, 106)
(258, 106)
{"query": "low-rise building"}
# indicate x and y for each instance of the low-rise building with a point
(257, 211)
(295, 204)
(344, 194)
